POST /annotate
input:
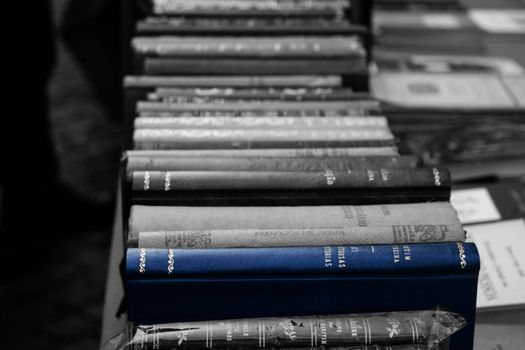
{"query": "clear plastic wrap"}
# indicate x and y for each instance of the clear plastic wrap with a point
(409, 330)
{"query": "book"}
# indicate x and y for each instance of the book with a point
(504, 200)
(250, 7)
(442, 91)
(494, 217)
(449, 64)
(414, 330)
(267, 163)
(246, 26)
(326, 260)
(283, 46)
(159, 299)
(250, 66)
(362, 186)
(502, 273)
(391, 223)
(149, 81)
(269, 152)
(154, 106)
(355, 123)
(245, 94)
(427, 32)
(259, 138)
(353, 111)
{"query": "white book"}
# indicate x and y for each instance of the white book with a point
(501, 247)
(444, 91)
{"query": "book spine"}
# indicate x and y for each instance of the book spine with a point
(291, 152)
(390, 223)
(285, 138)
(207, 144)
(144, 81)
(247, 66)
(364, 259)
(268, 163)
(297, 237)
(353, 123)
(315, 26)
(265, 112)
(154, 106)
(241, 46)
(273, 94)
(369, 331)
(172, 181)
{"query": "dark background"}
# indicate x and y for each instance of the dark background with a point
(52, 286)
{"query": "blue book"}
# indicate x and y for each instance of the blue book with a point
(365, 259)
(159, 298)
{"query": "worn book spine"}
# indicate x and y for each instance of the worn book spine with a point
(145, 81)
(239, 46)
(282, 152)
(259, 9)
(153, 106)
(295, 237)
(268, 163)
(173, 181)
(369, 331)
(251, 26)
(275, 94)
(323, 260)
(247, 66)
(253, 138)
(390, 223)
(353, 112)
(352, 123)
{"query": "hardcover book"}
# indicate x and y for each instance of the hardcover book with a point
(208, 227)
(240, 188)
(158, 300)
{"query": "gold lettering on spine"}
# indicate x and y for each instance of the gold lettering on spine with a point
(167, 181)
(146, 180)
(462, 255)
(142, 261)
(171, 261)
(437, 177)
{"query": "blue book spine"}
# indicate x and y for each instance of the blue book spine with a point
(371, 259)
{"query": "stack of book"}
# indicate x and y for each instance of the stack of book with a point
(261, 183)
(452, 82)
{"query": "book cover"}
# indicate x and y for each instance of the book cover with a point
(502, 273)
(446, 91)
(491, 202)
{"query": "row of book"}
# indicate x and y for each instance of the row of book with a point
(260, 183)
